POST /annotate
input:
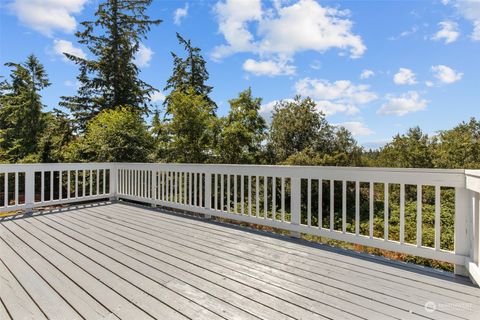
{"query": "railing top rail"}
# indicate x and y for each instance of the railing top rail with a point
(473, 180)
(441, 177)
(54, 166)
(281, 167)
(376, 169)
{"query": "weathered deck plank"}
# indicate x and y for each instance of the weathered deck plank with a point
(20, 305)
(354, 302)
(74, 295)
(262, 278)
(302, 283)
(293, 265)
(124, 261)
(245, 283)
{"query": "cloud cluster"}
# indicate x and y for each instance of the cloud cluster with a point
(401, 105)
(335, 97)
(157, 97)
(446, 75)
(404, 76)
(357, 128)
(366, 74)
(268, 67)
(143, 56)
(470, 10)
(63, 46)
(47, 16)
(283, 30)
(448, 32)
(180, 14)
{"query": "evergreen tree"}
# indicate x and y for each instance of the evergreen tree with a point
(410, 150)
(242, 131)
(21, 117)
(55, 138)
(159, 131)
(112, 78)
(189, 73)
(458, 147)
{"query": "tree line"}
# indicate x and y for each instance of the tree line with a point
(105, 119)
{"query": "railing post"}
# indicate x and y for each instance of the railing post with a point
(29, 189)
(113, 182)
(154, 188)
(475, 252)
(463, 225)
(208, 193)
(296, 205)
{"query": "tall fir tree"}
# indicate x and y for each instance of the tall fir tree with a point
(21, 117)
(189, 73)
(111, 78)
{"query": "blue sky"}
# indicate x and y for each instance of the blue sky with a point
(376, 67)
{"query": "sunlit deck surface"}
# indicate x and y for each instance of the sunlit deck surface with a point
(117, 260)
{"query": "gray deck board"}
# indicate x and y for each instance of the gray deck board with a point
(126, 261)
(266, 258)
(83, 303)
(354, 299)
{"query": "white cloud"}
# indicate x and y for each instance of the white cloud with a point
(446, 74)
(335, 97)
(470, 10)
(157, 96)
(268, 107)
(429, 83)
(268, 67)
(448, 32)
(476, 31)
(47, 16)
(233, 17)
(179, 14)
(366, 74)
(143, 56)
(404, 76)
(405, 33)
(306, 25)
(266, 110)
(330, 108)
(63, 46)
(284, 30)
(357, 128)
(401, 105)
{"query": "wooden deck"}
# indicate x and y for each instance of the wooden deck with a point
(120, 261)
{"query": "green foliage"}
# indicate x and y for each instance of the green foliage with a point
(118, 135)
(55, 138)
(411, 150)
(160, 135)
(21, 118)
(189, 73)
(111, 78)
(191, 130)
(296, 125)
(242, 131)
(458, 147)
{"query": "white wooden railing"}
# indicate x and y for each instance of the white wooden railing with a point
(283, 197)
